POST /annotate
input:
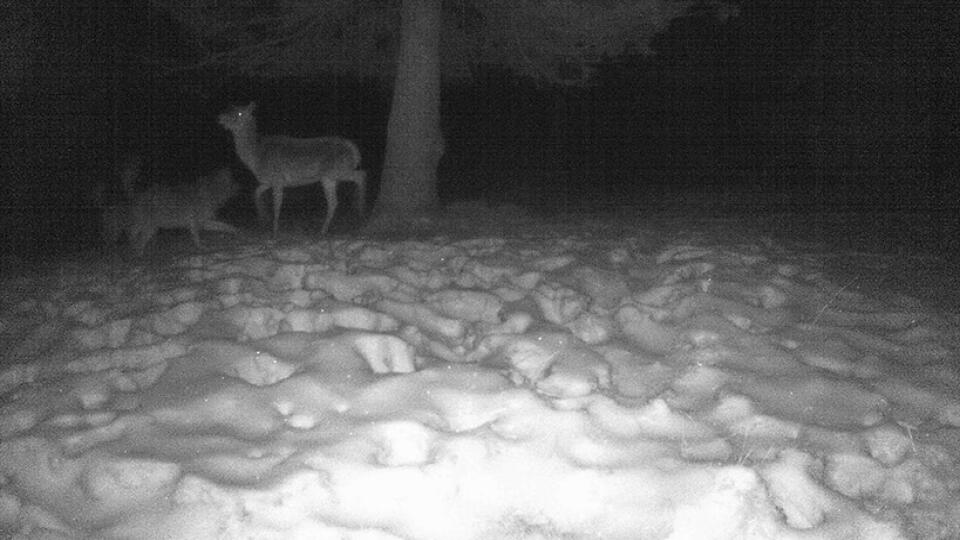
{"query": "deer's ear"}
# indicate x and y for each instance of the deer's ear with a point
(252, 106)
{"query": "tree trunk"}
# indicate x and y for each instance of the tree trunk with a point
(408, 184)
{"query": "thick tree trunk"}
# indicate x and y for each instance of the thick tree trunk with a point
(414, 143)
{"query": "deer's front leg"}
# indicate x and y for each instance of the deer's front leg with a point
(277, 203)
(258, 202)
(329, 193)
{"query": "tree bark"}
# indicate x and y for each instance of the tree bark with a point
(408, 184)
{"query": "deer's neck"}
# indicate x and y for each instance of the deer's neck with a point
(247, 144)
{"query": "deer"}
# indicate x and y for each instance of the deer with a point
(279, 161)
(190, 206)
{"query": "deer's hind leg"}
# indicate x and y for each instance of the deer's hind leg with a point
(258, 202)
(277, 203)
(330, 194)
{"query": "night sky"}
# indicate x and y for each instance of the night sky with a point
(800, 106)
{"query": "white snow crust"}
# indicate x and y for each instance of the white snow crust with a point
(569, 386)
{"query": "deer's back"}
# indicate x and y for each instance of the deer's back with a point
(181, 205)
(306, 157)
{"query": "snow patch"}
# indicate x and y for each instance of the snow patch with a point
(474, 389)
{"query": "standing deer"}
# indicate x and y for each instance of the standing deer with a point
(278, 161)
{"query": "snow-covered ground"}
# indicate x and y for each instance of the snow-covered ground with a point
(591, 383)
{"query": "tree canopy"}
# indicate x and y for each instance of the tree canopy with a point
(554, 41)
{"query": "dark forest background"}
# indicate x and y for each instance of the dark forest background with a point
(794, 106)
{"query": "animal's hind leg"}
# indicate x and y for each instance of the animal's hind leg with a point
(258, 202)
(329, 193)
(277, 203)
